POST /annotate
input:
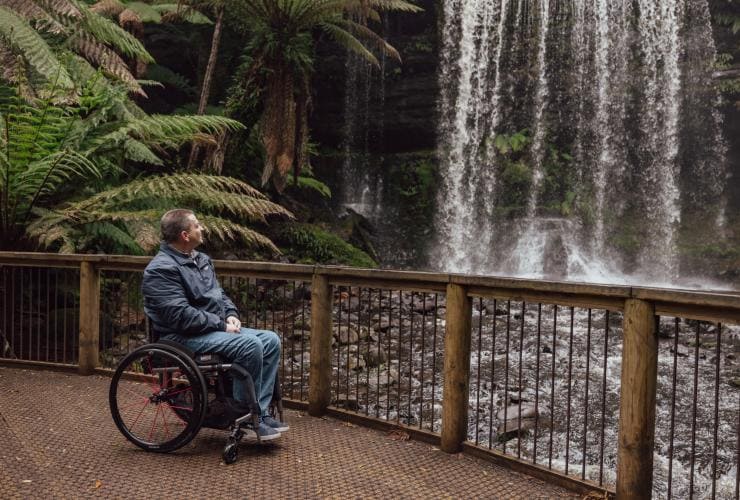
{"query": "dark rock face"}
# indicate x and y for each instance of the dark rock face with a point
(401, 109)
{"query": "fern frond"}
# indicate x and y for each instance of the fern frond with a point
(226, 231)
(173, 12)
(168, 77)
(172, 187)
(175, 130)
(347, 40)
(106, 31)
(25, 40)
(31, 11)
(110, 8)
(66, 8)
(107, 59)
(147, 13)
(10, 65)
(372, 37)
(311, 183)
(121, 239)
(136, 151)
(43, 177)
(131, 21)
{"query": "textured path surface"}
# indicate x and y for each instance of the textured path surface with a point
(57, 439)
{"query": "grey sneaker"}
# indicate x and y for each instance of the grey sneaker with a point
(265, 432)
(275, 424)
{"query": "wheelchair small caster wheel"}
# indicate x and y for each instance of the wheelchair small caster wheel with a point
(231, 452)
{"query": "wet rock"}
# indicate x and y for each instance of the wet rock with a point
(348, 404)
(356, 364)
(383, 379)
(666, 331)
(384, 324)
(422, 306)
(304, 358)
(512, 412)
(348, 335)
(299, 334)
(497, 311)
(366, 333)
(303, 292)
(302, 323)
(512, 428)
(375, 356)
(681, 352)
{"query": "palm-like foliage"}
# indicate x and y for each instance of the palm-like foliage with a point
(128, 216)
(48, 150)
(40, 36)
(280, 62)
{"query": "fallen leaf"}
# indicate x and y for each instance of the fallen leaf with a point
(398, 435)
(98, 483)
(26, 481)
(349, 424)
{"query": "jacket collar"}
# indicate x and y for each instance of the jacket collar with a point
(179, 257)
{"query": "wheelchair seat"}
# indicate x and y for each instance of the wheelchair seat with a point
(205, 358)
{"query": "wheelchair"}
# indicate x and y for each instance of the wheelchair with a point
(162, 394)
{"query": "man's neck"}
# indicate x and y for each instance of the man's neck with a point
(188, 252)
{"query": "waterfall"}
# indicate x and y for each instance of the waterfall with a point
(609, 127)
(363, 114)
(473, 111)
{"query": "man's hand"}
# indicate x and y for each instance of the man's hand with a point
(233, 325)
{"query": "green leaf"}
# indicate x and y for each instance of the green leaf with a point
(25, 40)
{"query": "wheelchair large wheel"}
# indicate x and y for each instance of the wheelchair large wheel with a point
(158, 398)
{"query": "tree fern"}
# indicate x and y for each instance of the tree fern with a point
(48, 152)
(224, 205)
(279, 61)
(19, 37)
(174, 130)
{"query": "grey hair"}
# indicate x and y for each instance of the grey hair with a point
(175, 222)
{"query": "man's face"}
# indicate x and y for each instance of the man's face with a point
(194, 235)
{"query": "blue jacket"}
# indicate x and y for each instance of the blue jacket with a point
(182, 294)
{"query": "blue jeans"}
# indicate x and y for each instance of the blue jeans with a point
(256, 350)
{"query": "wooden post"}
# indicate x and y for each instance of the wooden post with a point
(456, 369)
(319, 380)
(89, 317)
(637, 401)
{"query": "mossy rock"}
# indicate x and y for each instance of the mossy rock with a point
(311, 244)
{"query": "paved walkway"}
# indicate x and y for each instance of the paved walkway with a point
(57, 440)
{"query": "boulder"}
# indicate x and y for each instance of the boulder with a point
(512, 412)
(375, 356)
(347, 335)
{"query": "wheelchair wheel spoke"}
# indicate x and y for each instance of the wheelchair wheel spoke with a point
(137, 404)
(184, 389)
(154, 423)
(139, 415)
(164, 421)
(180, 421)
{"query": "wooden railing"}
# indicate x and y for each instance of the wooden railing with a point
(639, 306)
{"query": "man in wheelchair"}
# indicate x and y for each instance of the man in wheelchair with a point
(186, 304)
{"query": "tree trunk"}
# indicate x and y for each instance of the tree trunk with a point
(210, 69)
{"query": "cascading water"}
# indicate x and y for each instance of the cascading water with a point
(600, 95)
(362, 187)
(358, 191)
